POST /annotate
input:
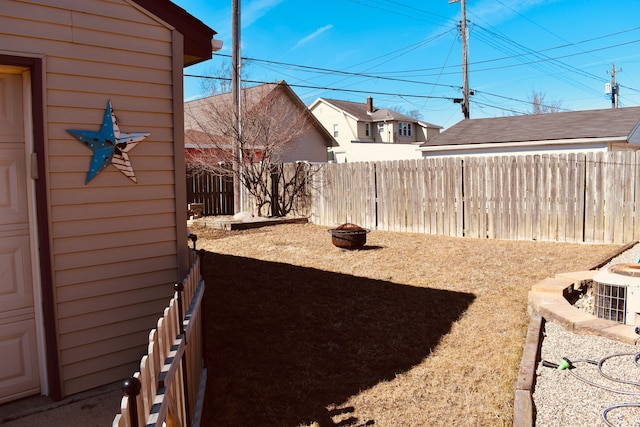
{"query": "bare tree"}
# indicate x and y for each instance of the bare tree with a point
(273, 121)
(540, 107)
(219, 81)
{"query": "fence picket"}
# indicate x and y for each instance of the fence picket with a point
(523, 225)
(430, 217)
(146, 381)
(468, 180)
(544, 198)
(163, 396)
(561, 186)
(505, 192)
(123, 418)
(528, 194)
(627, 178)
(455, 199)
(512, 173)
(610, 214)
(569, 198)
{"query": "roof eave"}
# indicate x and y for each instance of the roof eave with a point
(519, 144)
(334, 106)
(197, 35)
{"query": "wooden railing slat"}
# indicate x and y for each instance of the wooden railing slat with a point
(163, 395)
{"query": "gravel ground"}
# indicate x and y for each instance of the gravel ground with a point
(563, 399)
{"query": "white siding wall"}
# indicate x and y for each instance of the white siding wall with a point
(373, 152)
(498, 151)
(114, 241)
(347, 128)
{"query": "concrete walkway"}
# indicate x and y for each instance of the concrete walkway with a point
(97, 407)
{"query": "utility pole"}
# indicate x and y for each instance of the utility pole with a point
(236, 94)
(465, 60)
(615, 87)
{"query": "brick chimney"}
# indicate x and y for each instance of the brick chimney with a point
(369, 105)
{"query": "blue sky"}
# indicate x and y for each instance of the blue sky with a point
(408, 57)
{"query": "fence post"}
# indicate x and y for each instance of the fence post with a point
(203, 307)
(194, 239)
(179, 288)
(131, 388)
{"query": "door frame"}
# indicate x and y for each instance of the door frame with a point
(35, 133)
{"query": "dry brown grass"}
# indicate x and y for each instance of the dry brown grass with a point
(413, 330)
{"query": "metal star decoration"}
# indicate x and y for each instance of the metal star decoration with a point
(109, 145)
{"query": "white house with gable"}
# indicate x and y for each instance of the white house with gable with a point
(366, 133)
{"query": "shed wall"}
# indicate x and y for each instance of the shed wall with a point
(309, 147)
(113, 241)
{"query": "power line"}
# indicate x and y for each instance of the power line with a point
(393, 94)
(540, 63)
(508, 98)
(370, 76)
(513, 54)
(540, 59)
(325, 88)
(480, 106)
(553, 60)
(528, 52)
(510, 110)
(348, 73)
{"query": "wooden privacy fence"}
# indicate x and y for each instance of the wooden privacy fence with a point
(215, 192)
(588, 197)
(169, 387)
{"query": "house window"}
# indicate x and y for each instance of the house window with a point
(404, 129)
(380, 127)
(335, 130)
(367, 129)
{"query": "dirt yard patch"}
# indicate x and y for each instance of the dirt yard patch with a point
(412, 330)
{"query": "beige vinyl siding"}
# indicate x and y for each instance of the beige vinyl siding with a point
(311, 146)
(81, 291)
(113, 241)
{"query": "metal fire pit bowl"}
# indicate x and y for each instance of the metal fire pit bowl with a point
(349, 236)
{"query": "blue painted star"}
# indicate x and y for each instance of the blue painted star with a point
(109, 145)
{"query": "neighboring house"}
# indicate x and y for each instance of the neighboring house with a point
(310, 139)
(93, 211)
(576, 131)
(366, 133)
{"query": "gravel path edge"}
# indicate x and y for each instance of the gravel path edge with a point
(523, 412)
(523, 406)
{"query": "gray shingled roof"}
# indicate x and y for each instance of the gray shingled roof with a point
(607, 123)
(359, 111)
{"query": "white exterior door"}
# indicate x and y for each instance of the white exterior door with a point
(19, 369)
